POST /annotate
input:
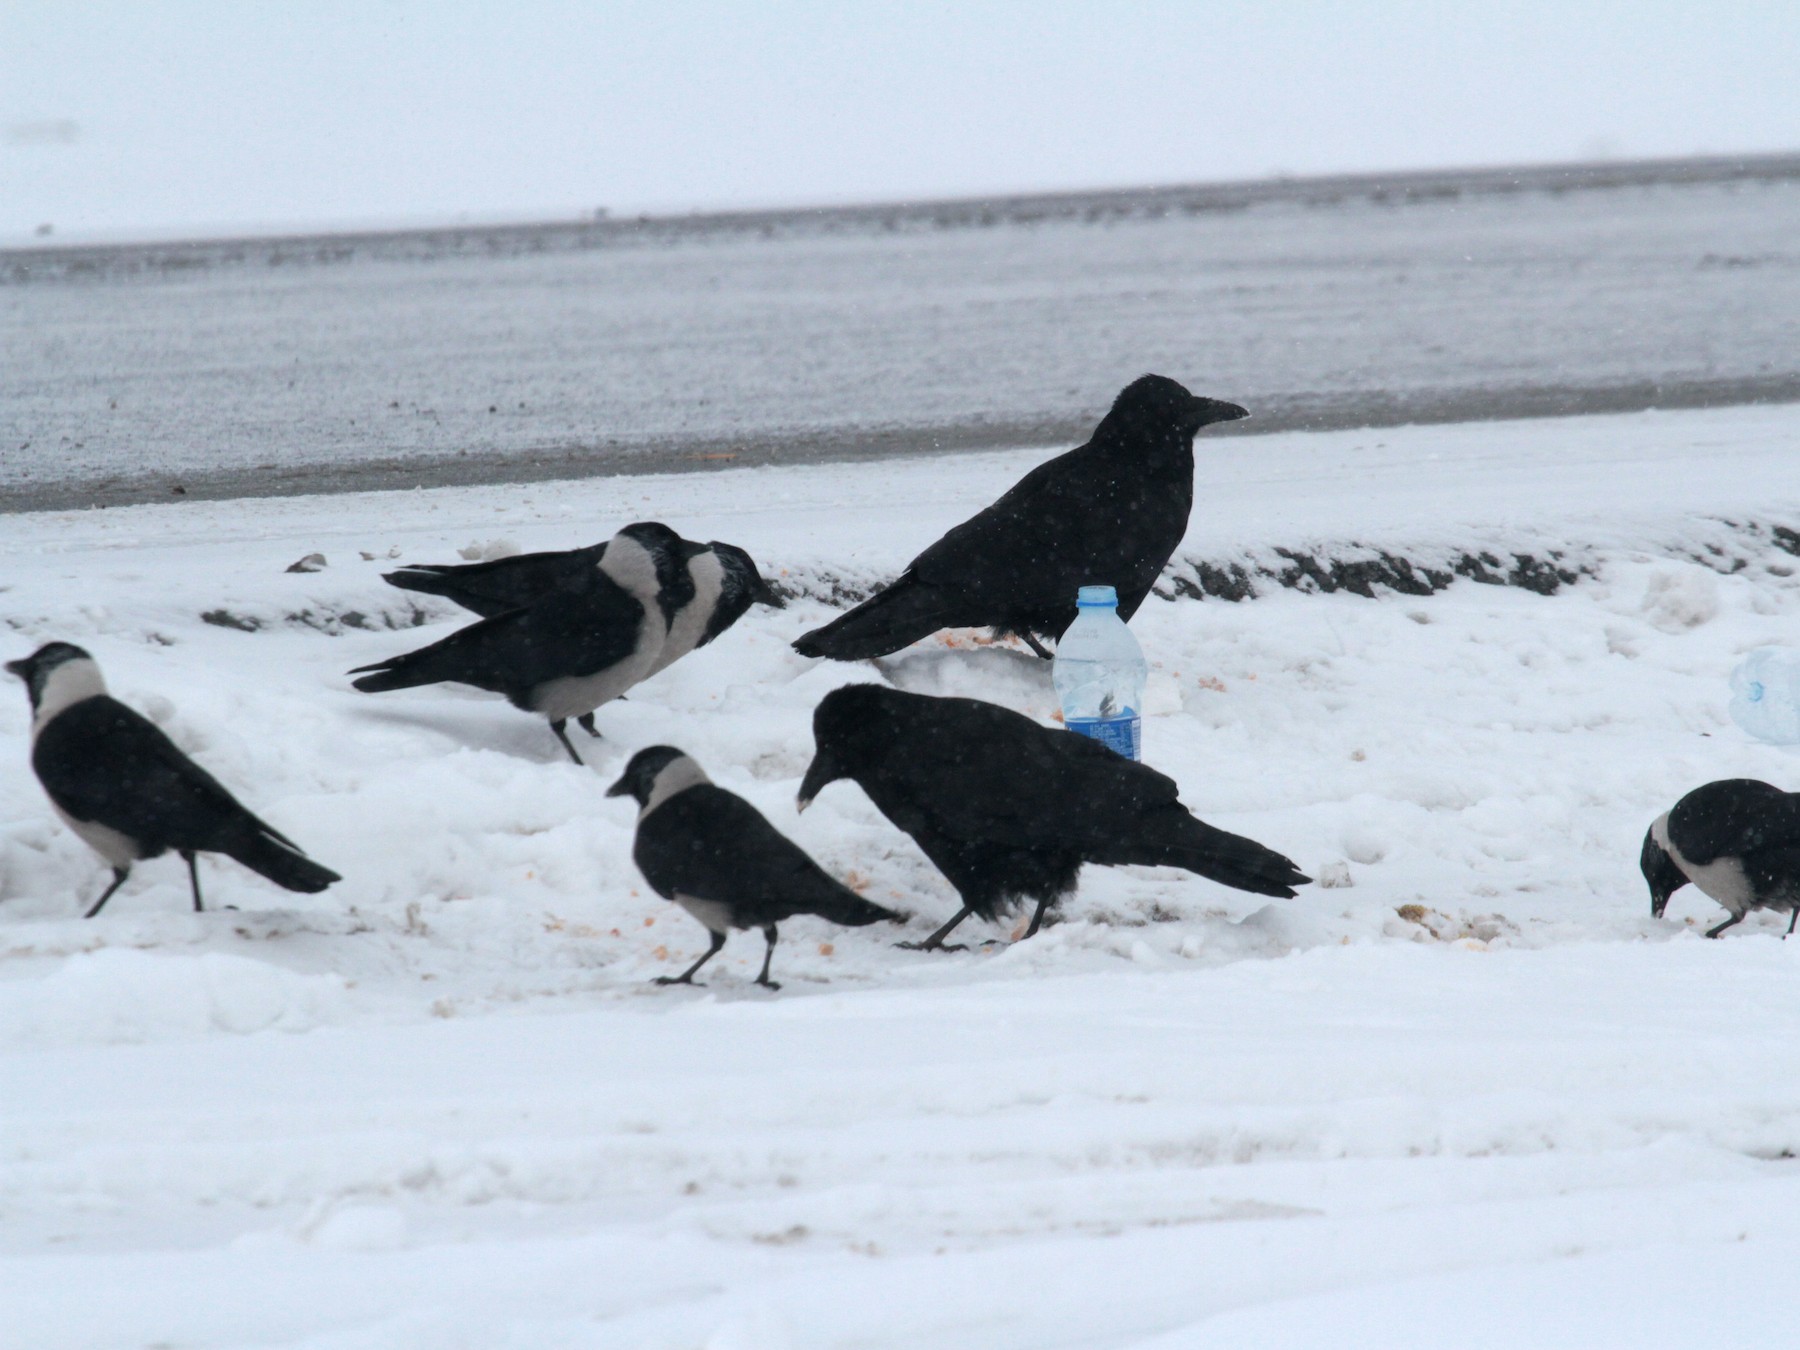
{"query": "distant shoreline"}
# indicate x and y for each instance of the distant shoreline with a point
(849, 446)
(51, 262)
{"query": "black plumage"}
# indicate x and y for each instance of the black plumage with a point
(716, 856)
(572, 649)
(1738, 840)
(502, 584)
(721, 583)
(1009, 810)
(1108, 513)
(125, 788)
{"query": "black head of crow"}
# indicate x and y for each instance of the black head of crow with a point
(1737, 839)
(1009, 810)
(715, 855)
(1110, 513)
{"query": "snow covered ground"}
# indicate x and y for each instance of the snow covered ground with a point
(1471, 1095)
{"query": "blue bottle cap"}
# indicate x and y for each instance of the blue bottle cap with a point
(1097, 597)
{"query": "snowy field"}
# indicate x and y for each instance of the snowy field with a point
(1471, 1094)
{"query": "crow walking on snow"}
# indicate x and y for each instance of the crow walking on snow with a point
(1009, 810)
(1109, 513)
(714, 854)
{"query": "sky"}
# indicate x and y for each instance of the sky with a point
(121, 118)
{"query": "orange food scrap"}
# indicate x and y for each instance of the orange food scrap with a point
(649, 920)
(826, 949)
(616, 933)
(661, 953)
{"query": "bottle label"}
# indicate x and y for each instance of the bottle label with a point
(1122, 734)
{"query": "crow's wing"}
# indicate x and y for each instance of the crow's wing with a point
(501, 584)
(712, 844)
(101, 761)
(1061, 509)
(986, 773)
(1734, 818)
(564, 634)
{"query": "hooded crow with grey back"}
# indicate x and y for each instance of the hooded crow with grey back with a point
(571, 650)
(715, 855)
(122, 785)
(1009, 810)
(1738, 840)
(1111, 512)
(722, 584)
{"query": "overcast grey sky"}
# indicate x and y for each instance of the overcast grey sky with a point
(119, 117)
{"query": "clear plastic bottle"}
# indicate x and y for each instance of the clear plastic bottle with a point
(1099, 673)
(1765, 695)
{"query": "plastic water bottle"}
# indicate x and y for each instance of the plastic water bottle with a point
(1099, 673)
(1765, 695)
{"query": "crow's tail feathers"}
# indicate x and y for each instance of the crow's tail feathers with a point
(400, 672)
(1232, 860)
(852, 911)
(427, 580)
(884, 623)
(271, 854)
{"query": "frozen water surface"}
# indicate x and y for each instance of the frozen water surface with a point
(307, 365)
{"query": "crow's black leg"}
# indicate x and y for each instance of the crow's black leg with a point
(935, 943)
(1796, 916)
(687, 976)
(563, 736)
(119, 875)
(1036, 646)
(768, 955)
(586, 723)
(1037, 919)
(194, 880)
(1734, 919)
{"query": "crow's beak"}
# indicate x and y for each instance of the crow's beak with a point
(768, 595)
(618, 789)
(1659, 901)
(21, 668)
(1217, 410)
(820, 772)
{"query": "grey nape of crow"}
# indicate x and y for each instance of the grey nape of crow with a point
(572, 649)
(1009, 810)
(1111, 512)
(129, 793)
(1738, 840)
(714, 854)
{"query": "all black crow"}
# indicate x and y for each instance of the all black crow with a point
(1009, 810)
(123, 787)
(714, 854)
(1738, 840)
(571, 650)
(1109, 513)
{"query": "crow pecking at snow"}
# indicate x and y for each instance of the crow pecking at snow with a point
(1009, 810)
(714, 854)
(125, 788)
(1738, 840)
(572, 649)
(1109, 513)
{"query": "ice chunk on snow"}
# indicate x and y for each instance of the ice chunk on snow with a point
(1679, 600)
